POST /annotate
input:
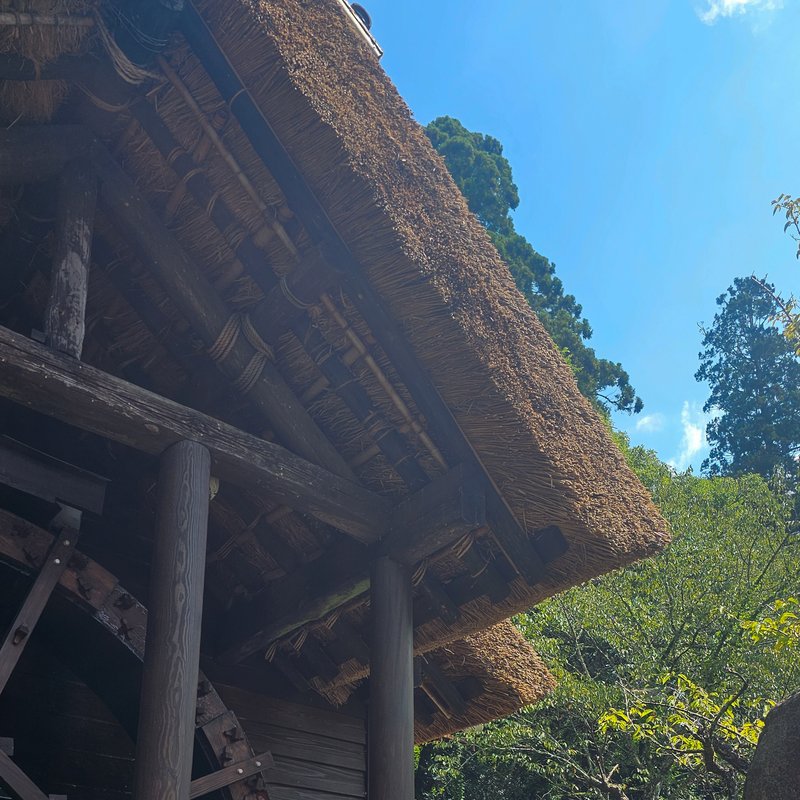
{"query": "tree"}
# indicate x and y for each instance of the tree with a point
(483, 174)
(666, 670)
(754, 375)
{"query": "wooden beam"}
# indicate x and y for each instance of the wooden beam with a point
(390, 747)
(228, 775)
(165, 741)
(65, 316)
(88, 398)
(48, 478)
(510, 535)
(197, 300)
(283, 621)
(18, 781)
(433, 518)
(437, 515)
(28, 616)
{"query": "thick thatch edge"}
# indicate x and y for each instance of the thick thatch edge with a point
(390, 196)
(510, 672)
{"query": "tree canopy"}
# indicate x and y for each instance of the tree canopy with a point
(665, 670)
(754, 375)
(483, 174)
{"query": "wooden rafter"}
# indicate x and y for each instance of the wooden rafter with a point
(509, 534)
(95, 401)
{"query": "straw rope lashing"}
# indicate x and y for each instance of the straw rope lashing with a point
(239, 323)
(227, 156)
(129, 72)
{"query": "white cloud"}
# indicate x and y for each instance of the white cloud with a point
(693, 440)
(650, 423)
(736, 8)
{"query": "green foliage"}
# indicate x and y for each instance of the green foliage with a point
(788, 310)
(483, 174)
(662, 685)
(779, 631)
(754, 375)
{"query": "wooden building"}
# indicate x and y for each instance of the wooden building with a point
(262, 373)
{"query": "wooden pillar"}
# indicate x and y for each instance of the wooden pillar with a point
(65, 322)
(169, 682)
(390, 747)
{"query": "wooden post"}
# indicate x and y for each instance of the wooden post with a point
(65, 322)
(165, 738)
(390, 748)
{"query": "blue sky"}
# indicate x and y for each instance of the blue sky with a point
(647, 139)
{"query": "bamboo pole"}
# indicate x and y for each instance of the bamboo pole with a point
(20, 19)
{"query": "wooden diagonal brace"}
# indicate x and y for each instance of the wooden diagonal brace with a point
(235, 772)
(18, 781)
(49, 575)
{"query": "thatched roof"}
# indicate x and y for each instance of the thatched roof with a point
(495, 672)
(510, 673)
(391, 200)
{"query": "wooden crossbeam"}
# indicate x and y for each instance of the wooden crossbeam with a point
(436, 516)
(228, 775)
(48, 478)
(90, 399)
(433, 518)
(33, 606)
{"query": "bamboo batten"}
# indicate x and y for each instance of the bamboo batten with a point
(22, 19)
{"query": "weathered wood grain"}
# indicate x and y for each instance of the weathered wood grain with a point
(80, 395)
(65, 315)
(165, 739)
(390, 748)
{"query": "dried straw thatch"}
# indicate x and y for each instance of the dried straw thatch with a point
(37, 101)
(510, 672)
(495, 670)
(390, 196)
(392, 201)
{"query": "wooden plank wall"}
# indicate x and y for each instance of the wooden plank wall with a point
(319, 754)
(68, 741)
